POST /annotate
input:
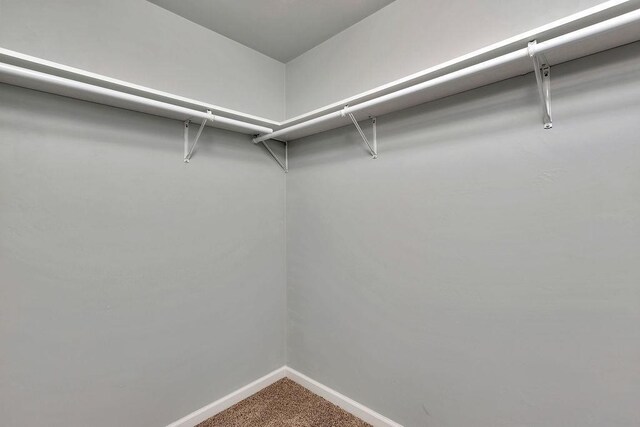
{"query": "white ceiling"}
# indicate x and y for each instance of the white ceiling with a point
(281, 29)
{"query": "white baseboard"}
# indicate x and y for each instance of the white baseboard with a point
(338, 399)
(229, 400)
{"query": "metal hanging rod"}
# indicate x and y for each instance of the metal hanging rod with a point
(518, 55)
(102, 95)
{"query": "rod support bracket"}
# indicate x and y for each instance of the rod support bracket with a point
(283, 164)
(542, 70)
(186, 140)
(373, 147)
(188, 152)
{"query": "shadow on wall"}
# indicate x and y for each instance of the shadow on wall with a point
(480, 111)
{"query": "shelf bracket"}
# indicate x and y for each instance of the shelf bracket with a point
(283, 164)
(188, 152)
(373, 148)
(543, 78)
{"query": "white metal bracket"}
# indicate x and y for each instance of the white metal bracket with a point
(543, 78)
(373, 148)
(188, 152)
(283, 164)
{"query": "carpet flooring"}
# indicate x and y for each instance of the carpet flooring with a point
(284, 404)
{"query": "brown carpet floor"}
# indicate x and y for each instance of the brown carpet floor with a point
(284, 404)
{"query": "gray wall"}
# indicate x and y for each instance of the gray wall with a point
(483, 271)
(408, 36)
(134, 288)
(137, 41)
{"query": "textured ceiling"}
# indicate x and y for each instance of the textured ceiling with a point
(281, 29)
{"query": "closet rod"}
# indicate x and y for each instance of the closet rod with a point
(540, 48)
(97, 93)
